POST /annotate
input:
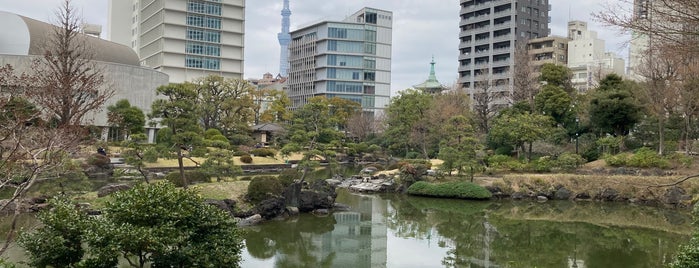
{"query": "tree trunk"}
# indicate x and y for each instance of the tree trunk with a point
(181, 165)
(661, 134)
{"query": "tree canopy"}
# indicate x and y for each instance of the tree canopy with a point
(154, 224)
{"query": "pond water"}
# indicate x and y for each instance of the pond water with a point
(404, 231)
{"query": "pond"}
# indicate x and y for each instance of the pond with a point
(404, 231)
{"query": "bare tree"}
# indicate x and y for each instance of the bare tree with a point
(485, 107)
(42, 112)
(361, 125)
(674, 21)
(661, 90)
(525, 80)
(30, 148)
(69, 83)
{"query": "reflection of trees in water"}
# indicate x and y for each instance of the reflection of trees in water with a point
(535, 235)
(291, 240)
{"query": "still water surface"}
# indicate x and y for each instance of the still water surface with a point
(404, 231)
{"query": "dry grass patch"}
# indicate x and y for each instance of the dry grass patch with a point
(642, 187)
(223, 190)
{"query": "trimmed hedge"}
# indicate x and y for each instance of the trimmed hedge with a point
(263, 152)
(247, 159)
(460, 190)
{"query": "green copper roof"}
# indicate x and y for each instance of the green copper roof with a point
(432, 82)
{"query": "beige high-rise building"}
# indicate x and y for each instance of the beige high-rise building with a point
(185, 39)
(550, 49)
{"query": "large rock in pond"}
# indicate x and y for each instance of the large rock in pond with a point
(112, 188)
(270, 208)
(249, 221)
(319, 195)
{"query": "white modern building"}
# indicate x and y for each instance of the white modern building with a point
(23, 42)
(186, 39)
(640, 42)
(490, 30)
(350, 59)
(587, 58)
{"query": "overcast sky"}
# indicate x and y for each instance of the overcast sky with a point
(421, 29)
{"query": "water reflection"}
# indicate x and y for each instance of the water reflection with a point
(403, 231)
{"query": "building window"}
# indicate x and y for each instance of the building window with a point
(204, 21)
(369, 76)
(369, 63)
(203, 49)
(370, 17)
(370, 48)
(204, 8)
(202, 62)
(204, 35)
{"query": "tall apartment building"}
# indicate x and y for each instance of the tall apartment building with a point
(587, 58)
(350, 59)
(490, 32)
(185, 39)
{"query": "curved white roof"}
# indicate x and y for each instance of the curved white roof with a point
(24, 36)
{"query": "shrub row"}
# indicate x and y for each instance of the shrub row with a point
(461, 190)
(263, 152)
(642, 158)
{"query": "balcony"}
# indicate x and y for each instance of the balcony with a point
(465, 56)
(502, 26)
(475, 19)
(502, 63)
(505, 37)
(482, 41)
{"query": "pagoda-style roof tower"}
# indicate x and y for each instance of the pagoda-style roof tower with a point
(431, 85)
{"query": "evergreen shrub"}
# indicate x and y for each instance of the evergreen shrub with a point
(262, 187)
(460, 190)
(263, 152)
(193, 176)
(247, 159)
(647, 158)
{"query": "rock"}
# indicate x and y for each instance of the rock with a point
(562, 194)
(38, 200)
(112, 188)
(270, 208)
(228, 207)
(249, 221)
(366, 187)
(292, 211)
(675, 195)
(321, 211)
(608, 194)
(518, 196)
(333, 182)
(341, 207)
(583, 196)
(542, 198)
